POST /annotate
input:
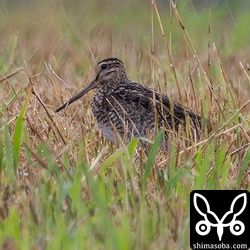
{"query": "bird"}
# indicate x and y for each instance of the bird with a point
(124, 109)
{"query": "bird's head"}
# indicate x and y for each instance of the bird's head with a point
(108, 71)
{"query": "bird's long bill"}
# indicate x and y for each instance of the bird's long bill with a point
(77, 96)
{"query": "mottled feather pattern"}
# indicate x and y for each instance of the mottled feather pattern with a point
(130, 108)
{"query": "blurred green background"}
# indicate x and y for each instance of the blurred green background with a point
(111, 27)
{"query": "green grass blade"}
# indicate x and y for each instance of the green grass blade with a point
(244, 165)
(203, 164)
(101, 204)
(17, 135)
(152, 155)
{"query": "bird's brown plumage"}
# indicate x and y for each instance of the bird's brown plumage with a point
(128, 108)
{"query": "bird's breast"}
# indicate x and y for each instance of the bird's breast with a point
(100, 110)
(119, 116)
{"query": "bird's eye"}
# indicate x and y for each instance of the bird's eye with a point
(104, 66)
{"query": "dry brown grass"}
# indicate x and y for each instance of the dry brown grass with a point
(45, 59)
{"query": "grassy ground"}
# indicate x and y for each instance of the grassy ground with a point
(62, 185)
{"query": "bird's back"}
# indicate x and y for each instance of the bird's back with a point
(133, 109)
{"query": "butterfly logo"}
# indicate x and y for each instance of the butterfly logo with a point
(203, 227)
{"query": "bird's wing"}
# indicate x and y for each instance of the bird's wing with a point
(177, 112)
(143, 100)
(138, 102)
(133, 102)
(130, 111)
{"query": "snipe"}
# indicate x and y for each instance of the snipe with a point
(121, 106)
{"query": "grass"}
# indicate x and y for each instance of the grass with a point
(62, 184)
